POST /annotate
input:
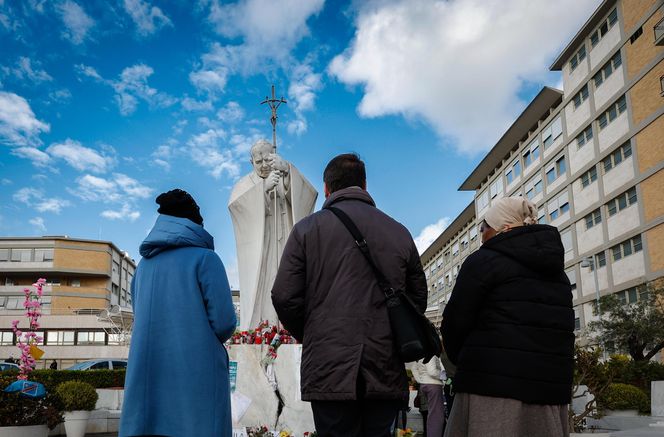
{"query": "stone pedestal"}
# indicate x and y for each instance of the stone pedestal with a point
(253, 384)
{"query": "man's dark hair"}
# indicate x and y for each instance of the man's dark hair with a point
(345, 171)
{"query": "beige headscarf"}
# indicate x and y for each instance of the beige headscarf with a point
(511, 212)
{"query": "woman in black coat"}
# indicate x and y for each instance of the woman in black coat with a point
(509, 328)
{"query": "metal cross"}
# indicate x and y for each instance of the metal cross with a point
(274, 104)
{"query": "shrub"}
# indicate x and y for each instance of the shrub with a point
(637, 373)
(52, 378)
(17, 410)
(624, 397)
(76, 395)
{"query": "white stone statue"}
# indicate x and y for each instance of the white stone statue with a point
(264, 206)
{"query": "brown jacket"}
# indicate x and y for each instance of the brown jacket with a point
(327, 296)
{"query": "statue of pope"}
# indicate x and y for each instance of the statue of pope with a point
(264, 205)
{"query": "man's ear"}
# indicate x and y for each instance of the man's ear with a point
(364, 186)
(326, 190)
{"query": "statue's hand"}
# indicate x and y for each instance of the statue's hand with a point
(272, 181)
(278, 163)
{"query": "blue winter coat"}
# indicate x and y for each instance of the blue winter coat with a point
(177, 379)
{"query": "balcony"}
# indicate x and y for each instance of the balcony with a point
(659, 32)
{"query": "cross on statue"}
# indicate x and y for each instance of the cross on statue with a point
(274, 104)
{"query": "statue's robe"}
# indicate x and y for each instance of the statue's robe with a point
(261, 232)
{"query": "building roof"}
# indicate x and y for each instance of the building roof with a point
(582, 34)
(68, 238)
(466, 215)
(537, 110)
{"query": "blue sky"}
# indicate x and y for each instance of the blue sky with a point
(106, 104)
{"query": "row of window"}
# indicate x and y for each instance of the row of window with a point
(67, 338)
(26, 255)
(615, 205)
(619, 251)
(595, 37)
(619, 155)
(462, 244)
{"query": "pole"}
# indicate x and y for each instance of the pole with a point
(599, 309)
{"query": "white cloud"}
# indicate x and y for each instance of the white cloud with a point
(231, 113)
(77, 22)
(5, 181)
(242, 143)
(131, 87)
(60, 96)
(430, 233)
(38, 223)
(268, 32)
(302, 93)
(458, 65)
(81, 158)
(124, 214)
(36, 199)
(205, 150)
(191, 105)
(118, 189)
(18, 124)
(24, 70)
(162, 156)
(38, 158)
(148, 19)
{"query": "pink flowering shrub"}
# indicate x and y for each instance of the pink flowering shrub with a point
(29, 338)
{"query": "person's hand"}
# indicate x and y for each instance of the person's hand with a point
(272, 181)
(278, 163)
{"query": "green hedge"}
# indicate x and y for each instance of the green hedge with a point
(624, 397)
(52, 378)
(637, 373)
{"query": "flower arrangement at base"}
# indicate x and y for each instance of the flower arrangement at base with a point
(258, 431)
(405, 433)
(263, 334)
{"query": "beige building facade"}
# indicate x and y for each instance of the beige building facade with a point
(85, 278)
(591, 156)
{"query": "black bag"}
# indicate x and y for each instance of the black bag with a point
(414, 335)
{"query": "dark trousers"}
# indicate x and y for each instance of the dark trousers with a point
(360, 418)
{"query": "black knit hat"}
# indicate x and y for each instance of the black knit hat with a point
(179, 203)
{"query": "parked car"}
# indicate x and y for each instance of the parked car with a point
(8, 366)
(111, 363)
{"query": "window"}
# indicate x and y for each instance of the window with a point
(21, 255)
(631, 295)
(571, 275)
(513, 172)
(100, 365)
(577, 58)
(556, 170)
(615, 158)
(589, 177)
(531, 154)
(9, 281)
(612, 113)
(75, 282)
(584, 137)
(119, 364)
(60, 338)
(552, 131)
(496, 187)
(559, 206)
(53, 281)
(439, 261)
(114, 339)
(636, 35)
(594, 218)
(577, 321)
(628, 198)
(604, 28)
(43, 255)
(14, 303)
(534, 187)
(91, 337)
(600, 261)
(473, 233)
(607, 70)
(4, 254)
(566, 238)
(483, 201)
(626, 248)
(6, 338)
(455, 249)
(580, 97)
(541, 216)
(464, 242)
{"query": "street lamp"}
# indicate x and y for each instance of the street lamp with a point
(589, 262)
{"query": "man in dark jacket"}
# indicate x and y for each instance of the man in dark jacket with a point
(327, 296)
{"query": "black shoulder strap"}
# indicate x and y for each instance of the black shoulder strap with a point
(364, 248)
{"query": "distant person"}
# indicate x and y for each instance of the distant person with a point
(327, 296)
(177, 381)
(10, 360)
(54, 365)
(509, 328)
(428, 376)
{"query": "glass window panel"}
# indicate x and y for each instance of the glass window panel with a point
(637, 243)
(616, 252)
(4, 254)
(627, 248)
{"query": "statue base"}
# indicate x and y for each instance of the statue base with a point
(254, 400)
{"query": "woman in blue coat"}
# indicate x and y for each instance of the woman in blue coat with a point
(177, 379)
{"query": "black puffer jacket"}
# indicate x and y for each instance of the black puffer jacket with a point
(327, 296)
(509, 325)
